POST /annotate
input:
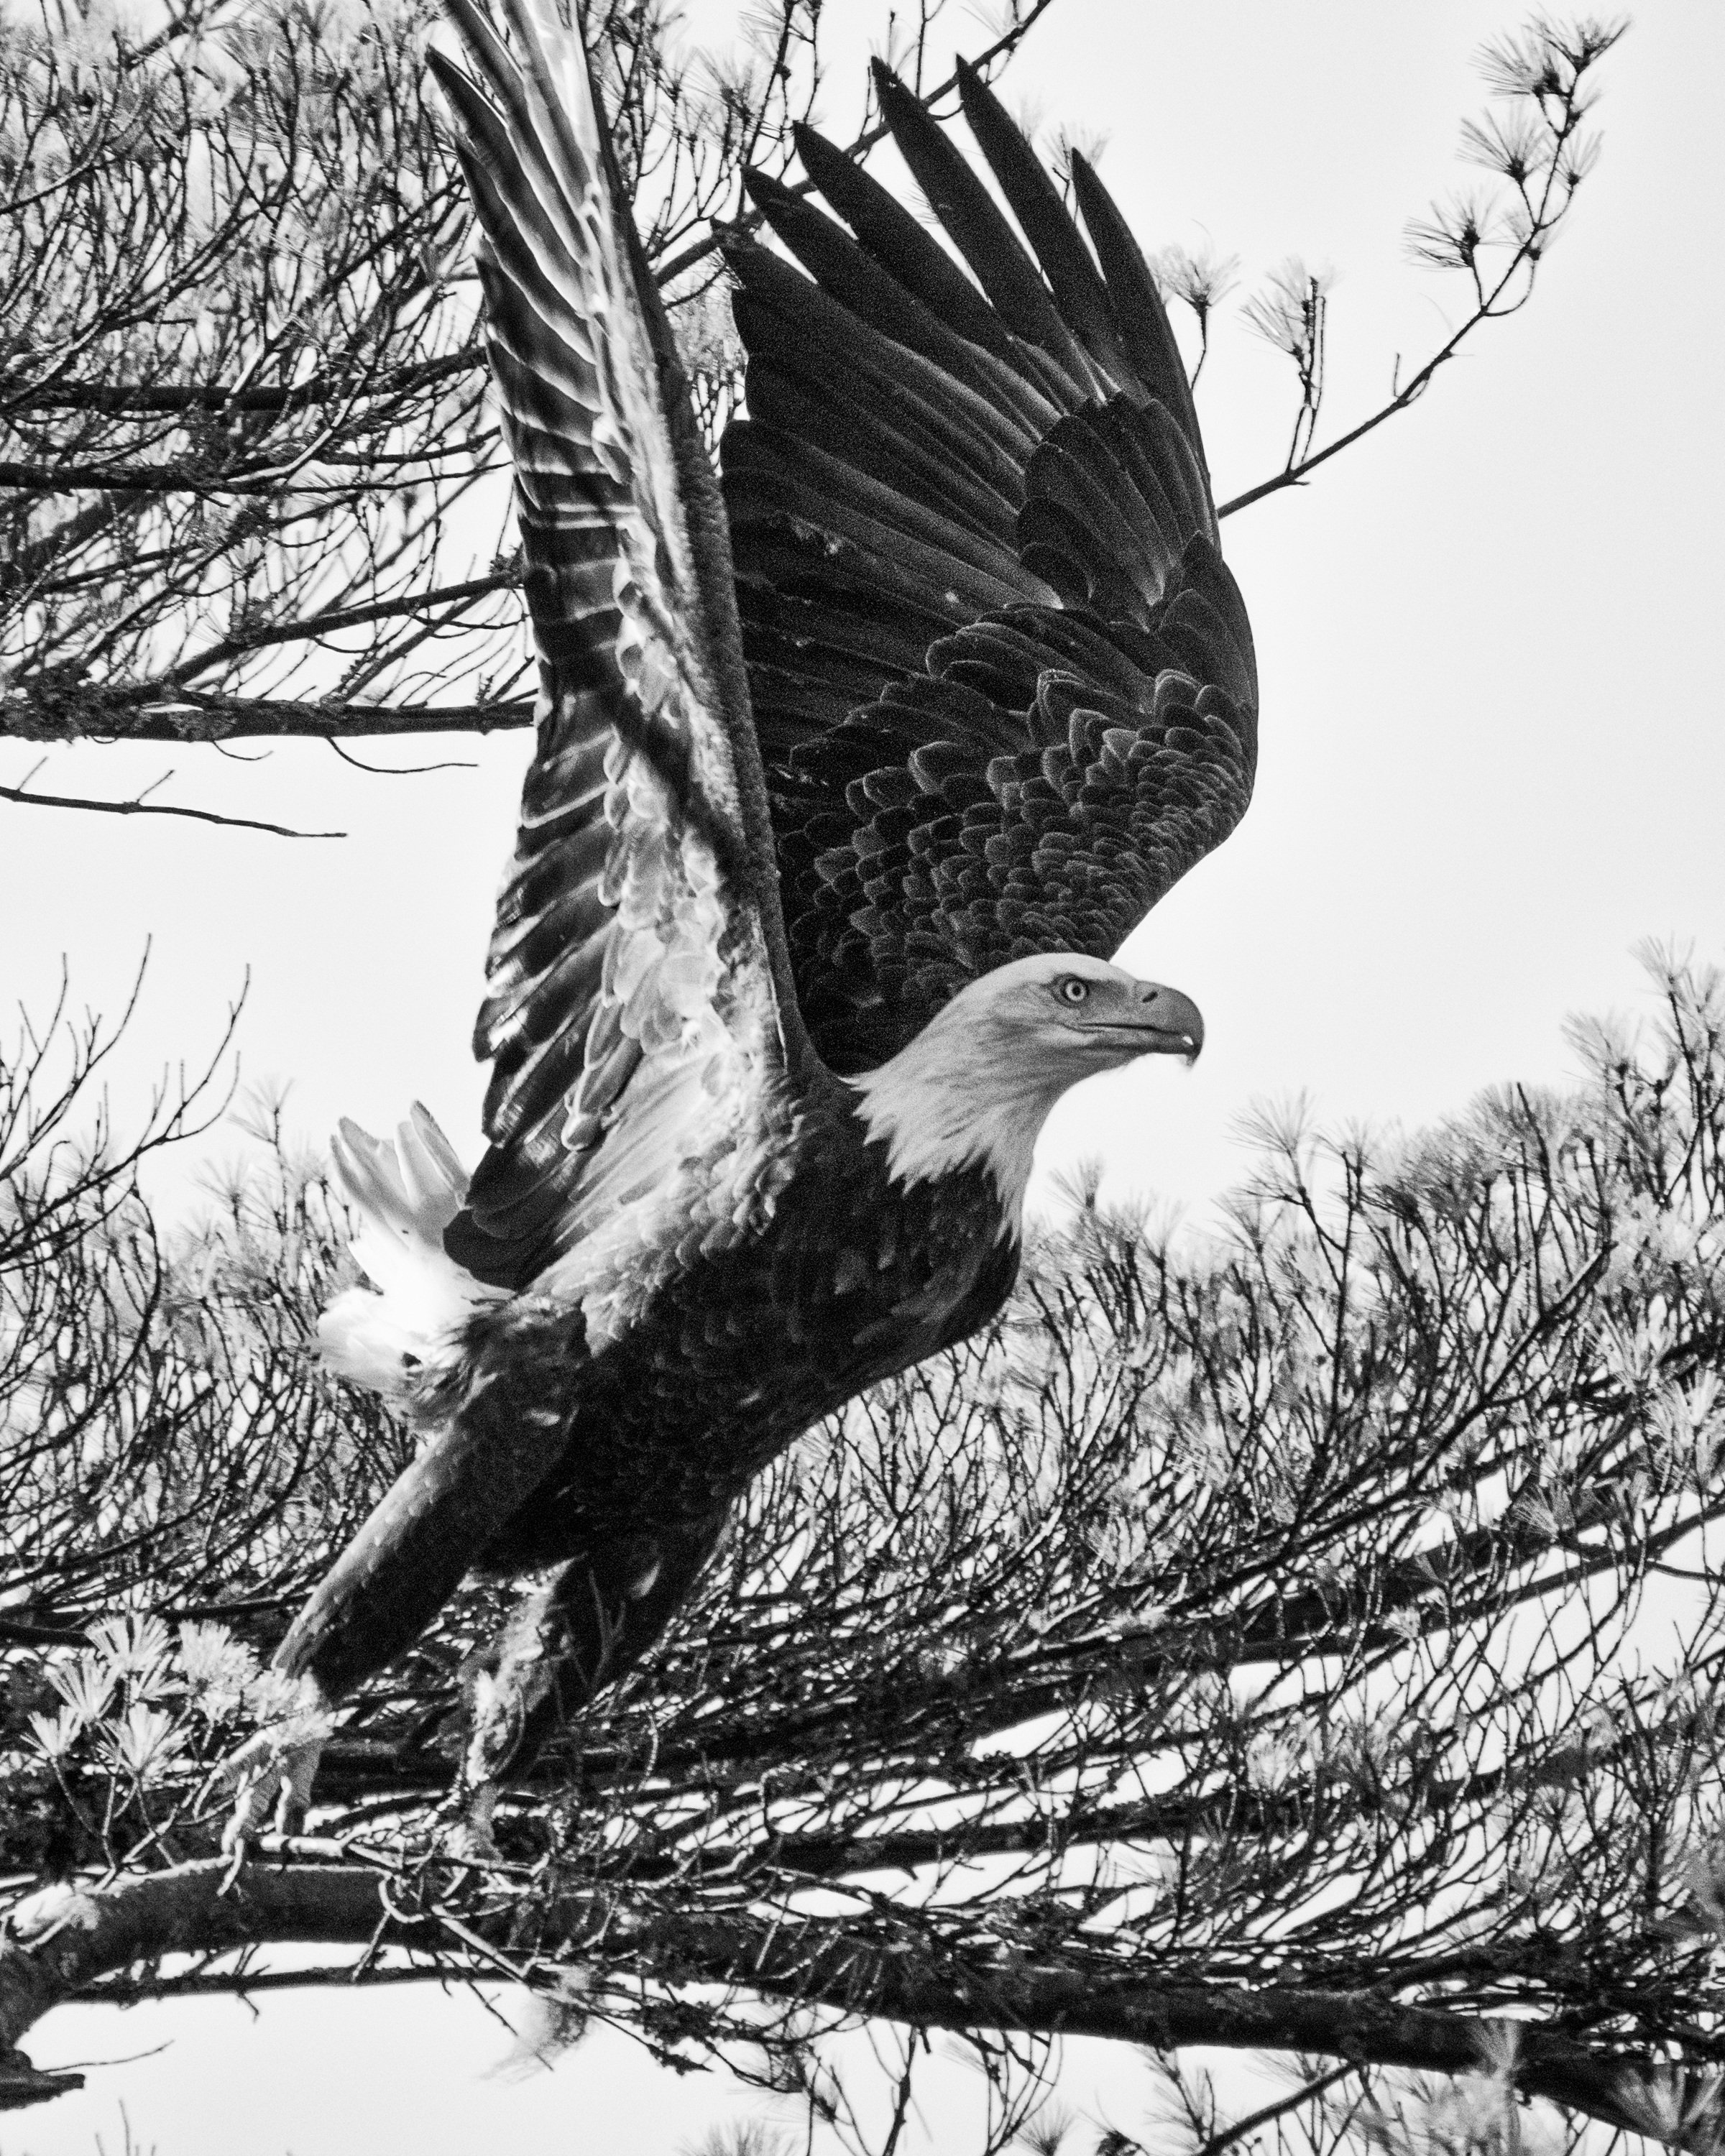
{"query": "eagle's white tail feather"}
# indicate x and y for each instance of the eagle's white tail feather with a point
(405, 1195)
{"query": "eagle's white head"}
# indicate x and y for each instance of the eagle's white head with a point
(976, 1084)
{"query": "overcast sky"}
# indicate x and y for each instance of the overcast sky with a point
(1493, 760)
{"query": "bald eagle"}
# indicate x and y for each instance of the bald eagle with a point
(854, 763)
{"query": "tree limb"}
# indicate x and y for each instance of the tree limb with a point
(49, 710)
(326, 623)
(69, 1937)
(216, 397)
(277, 482)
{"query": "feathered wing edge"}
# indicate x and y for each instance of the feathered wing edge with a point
(1003, 683)
(641, 1008)
(632, 1018)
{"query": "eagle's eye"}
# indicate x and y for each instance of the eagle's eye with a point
(1072, 989)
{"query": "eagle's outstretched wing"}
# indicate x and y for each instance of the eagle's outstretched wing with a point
(1003, 683)
(633, 1019)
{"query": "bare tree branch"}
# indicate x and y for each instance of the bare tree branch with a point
(26, 798)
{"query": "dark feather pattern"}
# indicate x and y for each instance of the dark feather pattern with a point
(1004, 686)
(631, 1022)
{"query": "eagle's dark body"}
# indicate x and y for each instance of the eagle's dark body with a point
(848, 780)
(854, 1281)
(844, 1278)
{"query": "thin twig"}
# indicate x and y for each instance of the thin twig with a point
(400, 770)
(140, 808)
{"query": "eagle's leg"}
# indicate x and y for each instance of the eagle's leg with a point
(591, 1620)
(382, 1591)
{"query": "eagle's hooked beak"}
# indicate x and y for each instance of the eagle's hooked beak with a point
(1166, 1022)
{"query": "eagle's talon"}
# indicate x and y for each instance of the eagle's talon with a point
(271, 1772)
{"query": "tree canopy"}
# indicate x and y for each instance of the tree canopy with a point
(1305, 1639)
(249, 484)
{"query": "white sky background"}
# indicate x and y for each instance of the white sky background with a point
(1493, 760)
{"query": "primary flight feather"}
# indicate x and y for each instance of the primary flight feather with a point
(853, 765)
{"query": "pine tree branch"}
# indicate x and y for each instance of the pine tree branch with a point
(277, 481)
(1543, 207)
(70, 1937)
(121, 396)
(53, 710)
(326, 623)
